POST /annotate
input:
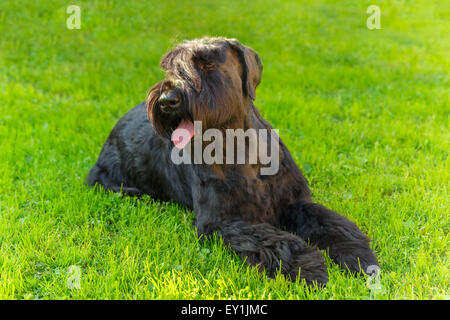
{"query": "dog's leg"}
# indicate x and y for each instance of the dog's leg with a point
(272, 249)
(109, 181)
(328, 230)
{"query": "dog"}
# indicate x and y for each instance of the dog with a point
(271, 221)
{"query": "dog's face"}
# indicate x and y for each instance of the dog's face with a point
(211, 80)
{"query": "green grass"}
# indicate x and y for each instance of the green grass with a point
(365, 114)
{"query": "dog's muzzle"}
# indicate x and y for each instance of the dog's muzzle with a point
(170, 101)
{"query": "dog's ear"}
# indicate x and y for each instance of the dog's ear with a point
(152, 99)
(251, 67)
(153, 112)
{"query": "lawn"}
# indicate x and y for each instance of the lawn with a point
(364, 112)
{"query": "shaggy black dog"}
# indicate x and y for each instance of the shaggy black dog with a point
(270, 220)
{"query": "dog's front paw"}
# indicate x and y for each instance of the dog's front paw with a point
(354, 257)
(310, 265)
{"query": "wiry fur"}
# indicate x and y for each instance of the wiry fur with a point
(269, 219)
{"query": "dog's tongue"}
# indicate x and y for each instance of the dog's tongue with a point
(183, 134)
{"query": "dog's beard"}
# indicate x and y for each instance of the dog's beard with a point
(177, 127)
(167, 123)
(218, 105)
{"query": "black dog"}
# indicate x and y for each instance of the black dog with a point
(267, 219)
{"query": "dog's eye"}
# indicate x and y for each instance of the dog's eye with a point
(208, 66)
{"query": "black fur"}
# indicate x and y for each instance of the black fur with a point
(268, 220)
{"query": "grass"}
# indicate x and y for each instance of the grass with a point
(365, 114)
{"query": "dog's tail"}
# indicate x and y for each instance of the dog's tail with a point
(273, 249)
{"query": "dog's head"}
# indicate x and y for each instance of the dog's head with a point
(212, 80)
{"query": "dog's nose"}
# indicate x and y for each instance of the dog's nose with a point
(169, 100)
